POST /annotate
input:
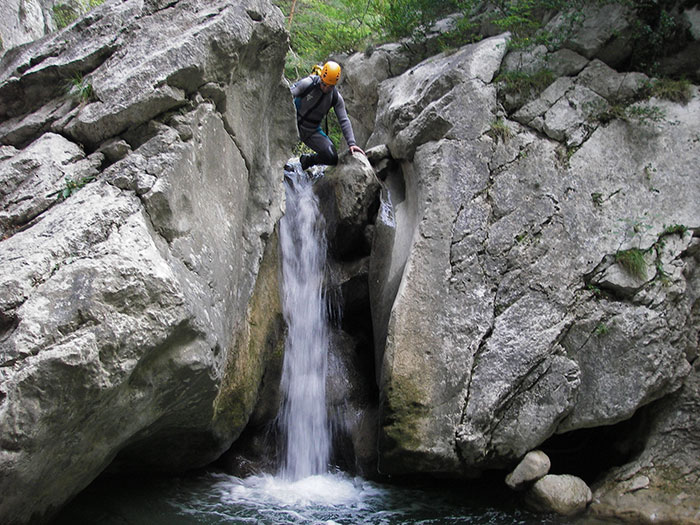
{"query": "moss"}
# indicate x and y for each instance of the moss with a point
(405, 411)
(258, 342)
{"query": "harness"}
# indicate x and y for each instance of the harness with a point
(303, 118)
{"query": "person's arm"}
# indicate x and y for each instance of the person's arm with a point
(345, 125)
(301, 86)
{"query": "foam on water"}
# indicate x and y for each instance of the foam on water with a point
(323, 490)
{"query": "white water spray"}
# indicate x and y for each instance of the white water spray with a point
(303, 417)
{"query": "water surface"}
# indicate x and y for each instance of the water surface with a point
(216, 498)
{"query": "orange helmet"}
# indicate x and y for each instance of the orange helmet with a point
(330, 74)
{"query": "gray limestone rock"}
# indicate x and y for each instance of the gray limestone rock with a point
(136, 317)
(563, 494)
(24, 21)
(661, 485)
(493, 279)
(362, 74)
(534, 465)
(34, 179)
(603, 32)
(433, 99)
(347, 194)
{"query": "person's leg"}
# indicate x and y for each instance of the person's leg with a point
(324, 148)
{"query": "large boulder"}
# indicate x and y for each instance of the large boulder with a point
(134, 224)
(563, 494)
(503, 312)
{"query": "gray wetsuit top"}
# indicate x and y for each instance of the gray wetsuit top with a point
(313, 111)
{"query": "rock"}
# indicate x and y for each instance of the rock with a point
(429, 101)
(486, 313)
(603, 33)
(135, 325)
(527, 61)
(563, 494)
(33, 180)
(610, 84)
(352, 409)
(661, 484)
(565, 62)
(683, 64)
(362, 74)
(693, 18)
(565, 111)
(115, 149)
(24, 21)
(562, 112)
(535, 465)
(347, 194)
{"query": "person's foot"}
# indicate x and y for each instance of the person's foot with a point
(305, 161)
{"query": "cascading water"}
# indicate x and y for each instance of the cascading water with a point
(303, 418)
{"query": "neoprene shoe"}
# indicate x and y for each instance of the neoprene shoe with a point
(306, 161)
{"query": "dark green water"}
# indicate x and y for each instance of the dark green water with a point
(216, 498)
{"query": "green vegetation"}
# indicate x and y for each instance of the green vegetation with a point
(500, 130)
(631, 112)
(632, 261)
(657, 33)
(65, 14)
(320, 28)
(524, 84)
(80, 88)
(601, 329)
(71, 187)
(597, 292)
(675, 229)
(674, 90)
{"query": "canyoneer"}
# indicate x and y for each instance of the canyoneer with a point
(314, 96)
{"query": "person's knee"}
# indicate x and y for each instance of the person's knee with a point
(329, 155)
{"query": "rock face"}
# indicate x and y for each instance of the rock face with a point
(134, 222)
(503, 308)
(661, 485)
(24, 21)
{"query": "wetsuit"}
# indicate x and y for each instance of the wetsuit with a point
(310, 113)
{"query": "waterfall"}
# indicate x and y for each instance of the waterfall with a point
(303, 418)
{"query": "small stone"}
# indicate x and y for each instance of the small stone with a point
(533, 466)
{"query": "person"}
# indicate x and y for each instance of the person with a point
(314, 96)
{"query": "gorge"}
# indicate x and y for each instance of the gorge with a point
(487, 306)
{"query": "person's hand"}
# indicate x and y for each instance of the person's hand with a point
(356, 149)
